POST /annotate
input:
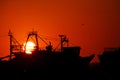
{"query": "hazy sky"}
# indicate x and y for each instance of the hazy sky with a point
(101, 19)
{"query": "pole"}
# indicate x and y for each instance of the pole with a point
(10, 34)
(61, 41)
(37, 41)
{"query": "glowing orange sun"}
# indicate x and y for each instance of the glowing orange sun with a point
(30, 46)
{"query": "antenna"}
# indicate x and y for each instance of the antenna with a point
(62, 40)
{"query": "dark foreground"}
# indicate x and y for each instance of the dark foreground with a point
(62, 66)
(60, 71)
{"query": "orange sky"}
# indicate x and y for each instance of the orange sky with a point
(101, 19)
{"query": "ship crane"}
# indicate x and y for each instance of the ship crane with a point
(63, 39)
(15, 46)
(34, 34)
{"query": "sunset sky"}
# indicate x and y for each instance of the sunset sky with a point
(91, 24)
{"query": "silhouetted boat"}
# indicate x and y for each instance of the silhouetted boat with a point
(110, 57)
(48, 59)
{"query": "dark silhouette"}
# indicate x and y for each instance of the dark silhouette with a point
(45, 62)
(110, 62)
(109, 66)
(65, 63)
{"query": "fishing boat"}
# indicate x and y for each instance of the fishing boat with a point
(44, 61)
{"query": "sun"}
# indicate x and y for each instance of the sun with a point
(30, 47)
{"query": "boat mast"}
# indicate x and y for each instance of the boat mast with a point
(62, 40)
(10, 35)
